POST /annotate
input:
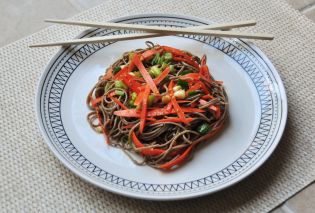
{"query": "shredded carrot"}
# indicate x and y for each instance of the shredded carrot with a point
(177, 108)
(139, 98)
(149, 54)
(175, 120)
(161, 77)
(133, 113)
(217, 111)
(118, 102)
(177, 161)
(145, 74)
(150, 106)
(208, 96)
(109, 74)
(121, 72)
(145, 151)
(183, 101)
(169, 106)
(96, 101)
(187, 61)
(129, 126)
(204, 71)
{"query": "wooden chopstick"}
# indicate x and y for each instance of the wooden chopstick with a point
(171, 31)
(99, 39)
(156, 29)
(224, 26)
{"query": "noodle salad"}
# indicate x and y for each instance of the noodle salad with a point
(160, 103)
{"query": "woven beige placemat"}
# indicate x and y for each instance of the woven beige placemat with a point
(32, 179)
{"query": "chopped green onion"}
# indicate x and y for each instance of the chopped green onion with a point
(119, 93)
(116, 69)
(204, 128)
(139, 107)
(130, 56)
(192, 93)
(120, 84)
(167, 57)
(160, 61)
(133, 96)
(156, 59)
(183, 84)
(185, 72)
(137, 74)
(155, 71)
(164, 65)
(172, 69)
(132, 104)
(132, 100)
(151, 100)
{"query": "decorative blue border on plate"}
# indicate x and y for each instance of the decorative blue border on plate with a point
(53, 119)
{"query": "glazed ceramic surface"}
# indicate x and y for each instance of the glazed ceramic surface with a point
(257, 114)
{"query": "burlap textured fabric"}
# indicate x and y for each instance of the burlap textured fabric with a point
(33, 180)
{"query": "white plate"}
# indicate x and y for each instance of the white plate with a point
(258, 111)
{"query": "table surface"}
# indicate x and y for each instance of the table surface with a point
(19, 19)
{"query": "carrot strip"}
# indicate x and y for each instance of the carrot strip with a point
(194, 87)
(139, 98)
(161, 77)
(143, 113)
(176, 52)
(175, 120)
(217, 111)
(187, 61)
(177, 108)
(169, 106)
(165, 111)
(177, 161)
(131, 82)
(196, 77)
(129, 113)
(194, 104)
(204, 71)
(150, 119)
(203, 60)
(204, 88)
(191, 76)
(109, 74)
(149, 54)
(145, 74)
(96, 101)
(202, 102)
(208, 96)
(145, 151)
(183, 101)
(118, 102)
(131, 65)
(129, 126)
(133, 113)
(121, 72)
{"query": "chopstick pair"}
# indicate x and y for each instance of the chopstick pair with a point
(155, 31)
